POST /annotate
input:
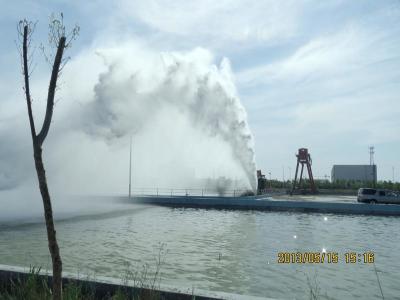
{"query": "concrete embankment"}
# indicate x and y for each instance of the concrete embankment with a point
(268, 203)
(103, 287)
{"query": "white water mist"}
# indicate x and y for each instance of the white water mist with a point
(137, 92)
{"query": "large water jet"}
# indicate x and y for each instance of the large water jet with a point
(131, 96)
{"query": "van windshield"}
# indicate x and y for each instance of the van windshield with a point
(368, 191)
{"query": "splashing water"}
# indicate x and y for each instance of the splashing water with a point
(131, 94)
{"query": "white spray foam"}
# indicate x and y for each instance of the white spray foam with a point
(133, 95)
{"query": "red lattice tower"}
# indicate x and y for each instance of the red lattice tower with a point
(304, 158)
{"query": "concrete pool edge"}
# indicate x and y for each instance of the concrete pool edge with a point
(108, 285)
(268, 204)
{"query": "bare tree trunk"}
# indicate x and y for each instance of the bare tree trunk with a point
(51, 232)
(37, 141)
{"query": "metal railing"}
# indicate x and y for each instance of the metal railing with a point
(194, 192)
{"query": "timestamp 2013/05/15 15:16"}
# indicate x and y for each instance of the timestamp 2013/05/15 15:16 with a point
(325, 257)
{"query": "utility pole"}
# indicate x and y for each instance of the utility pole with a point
(372, 163)
(393, 173)
(371, 155)
(270, 182)
(130, 168)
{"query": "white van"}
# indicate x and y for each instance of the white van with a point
(369, 195)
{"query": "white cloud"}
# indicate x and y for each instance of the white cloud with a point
(324, 56)
(337, 91)
(238, 21)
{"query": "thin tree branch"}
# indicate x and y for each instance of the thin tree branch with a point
(26, 78)
(52, 87)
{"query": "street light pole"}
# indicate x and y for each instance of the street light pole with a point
(130, 168)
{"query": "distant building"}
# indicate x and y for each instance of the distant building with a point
(354, 172)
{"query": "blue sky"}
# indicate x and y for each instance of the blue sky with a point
(318, 74)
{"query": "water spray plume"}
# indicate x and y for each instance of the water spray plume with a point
(130, 95)
(190, 129)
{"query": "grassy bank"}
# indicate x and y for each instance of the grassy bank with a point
(34, 286)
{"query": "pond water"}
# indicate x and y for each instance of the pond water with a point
(220, 250)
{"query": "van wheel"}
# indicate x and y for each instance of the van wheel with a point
(373, 201)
